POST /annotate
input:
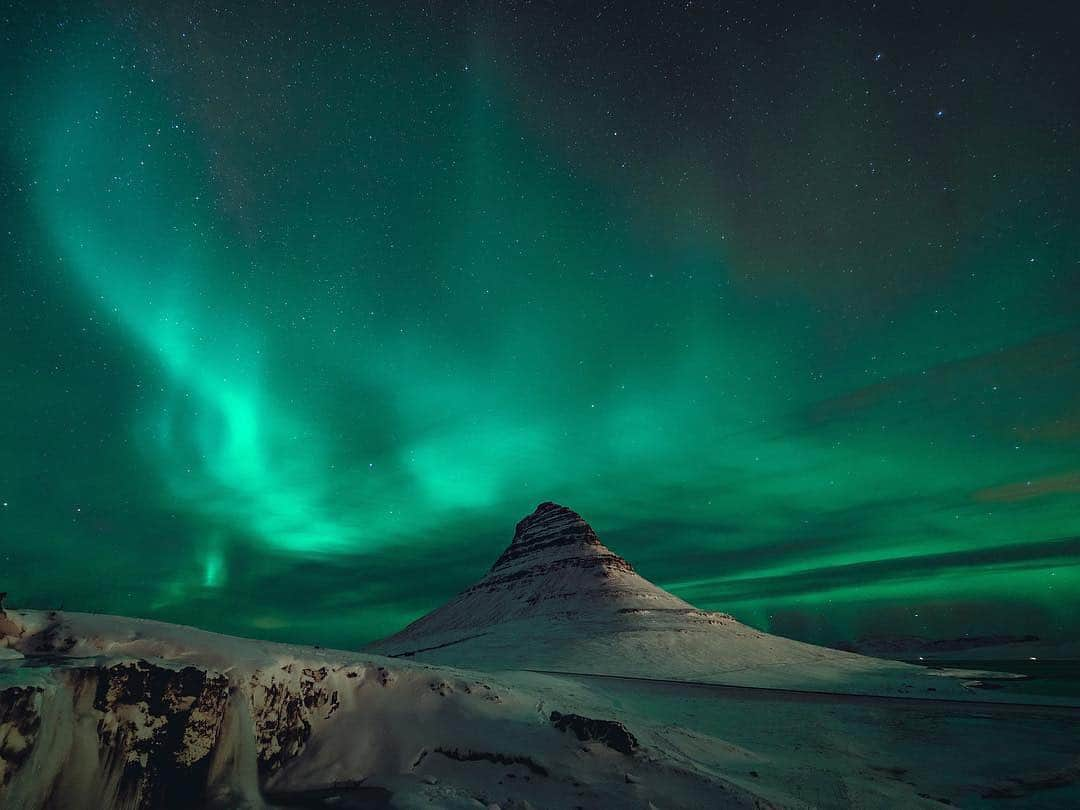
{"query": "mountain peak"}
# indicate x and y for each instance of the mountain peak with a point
(544, 515)
(552, 530)
(555, 569)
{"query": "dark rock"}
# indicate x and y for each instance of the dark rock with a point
(493, 756)
(553, 526)
(183, 709)
(611, 733)
(20, 721)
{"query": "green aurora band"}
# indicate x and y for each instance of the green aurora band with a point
(293, 333)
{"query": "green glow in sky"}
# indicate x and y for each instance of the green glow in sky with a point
(299, 315)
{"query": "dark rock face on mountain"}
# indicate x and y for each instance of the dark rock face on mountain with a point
(611, 733)
(154, 732)
(162, 725)
(552, 537)
(284, 707)
(20, 721)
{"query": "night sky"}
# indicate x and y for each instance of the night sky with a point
(303, 306)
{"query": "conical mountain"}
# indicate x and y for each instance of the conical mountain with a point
(558, 599)
(556, 569)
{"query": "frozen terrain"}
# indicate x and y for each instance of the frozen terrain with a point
(99, 711)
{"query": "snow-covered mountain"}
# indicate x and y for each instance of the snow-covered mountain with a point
(557, 599)
(556, 569)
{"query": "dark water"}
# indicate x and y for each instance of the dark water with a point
(1049, 677)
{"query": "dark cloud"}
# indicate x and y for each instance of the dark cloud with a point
(880, 572)
(1062, 483)
(1042, 360)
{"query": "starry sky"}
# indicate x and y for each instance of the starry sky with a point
(304, 305)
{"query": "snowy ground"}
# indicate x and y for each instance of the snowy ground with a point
(253, 724)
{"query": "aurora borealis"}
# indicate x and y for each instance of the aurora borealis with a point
(302, 307)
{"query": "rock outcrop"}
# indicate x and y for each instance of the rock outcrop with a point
(611, 733)
(137, 734)
(20, 721)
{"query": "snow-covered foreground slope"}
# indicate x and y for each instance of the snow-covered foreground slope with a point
(106, 712)
(558, 600)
